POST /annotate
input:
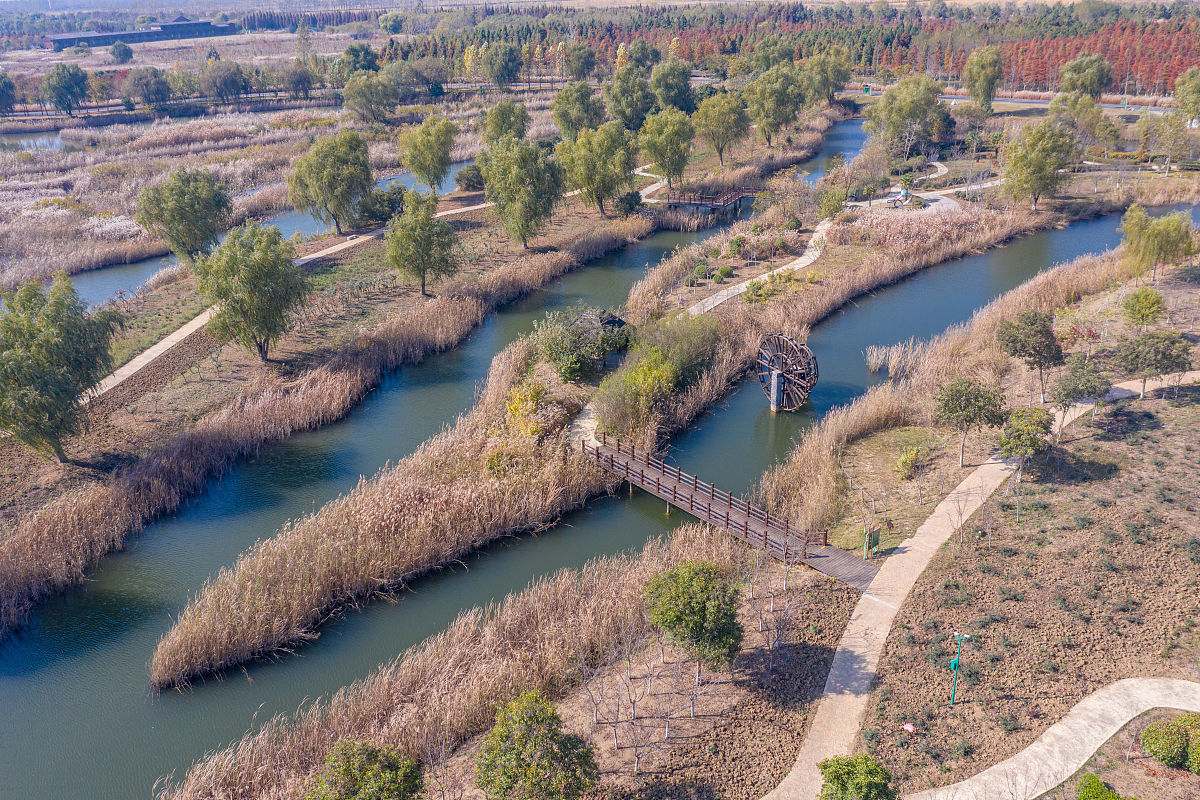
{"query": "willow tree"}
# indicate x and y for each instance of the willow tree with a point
(190, 209)
(982, 75)
(599, 162)
(1150, 241)
(722, 121)
(331, 177)
(425, 150)
(1034, 164)
(524, 182)
(419, 244)
(255, 283)
(51, 352)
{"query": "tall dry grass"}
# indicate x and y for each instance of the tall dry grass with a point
(53, 547)
(467, 486)
(807, 485)
(448, 688)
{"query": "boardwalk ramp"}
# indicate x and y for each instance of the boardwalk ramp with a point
(767, 532)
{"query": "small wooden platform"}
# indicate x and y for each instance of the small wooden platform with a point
(714, 201)
(772, 534)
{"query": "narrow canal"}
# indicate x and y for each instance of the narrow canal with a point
(78, 717)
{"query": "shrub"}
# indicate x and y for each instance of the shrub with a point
(527, 756)
(469, 178)
(858, 777)
(668, 357)
(356, 770)
(906, 465)
(628, 203)
(524, 402)
(724, 272)
(380, 205)
(1092, 788)
(1167, 741)
(696, 605)
(575, 348)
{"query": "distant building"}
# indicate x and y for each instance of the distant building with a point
(179, 28)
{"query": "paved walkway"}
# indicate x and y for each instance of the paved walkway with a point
(840, 711)
(811, 253)
(148, 356)
(1068, 744)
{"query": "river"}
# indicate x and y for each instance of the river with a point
(79, 719)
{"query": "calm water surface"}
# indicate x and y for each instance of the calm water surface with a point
(76, 716)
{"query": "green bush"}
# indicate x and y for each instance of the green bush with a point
(628, 203)
(906, 465)
(1092, 788)
(573, 347)
(725, 272)
(357, 770)
(696, 605)
(668, 356)
(380, 205)
(528, 756)
(859, 777)
(469, 178)
(1167, 741)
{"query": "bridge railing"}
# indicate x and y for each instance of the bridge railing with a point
(706, 501)
(719, 200)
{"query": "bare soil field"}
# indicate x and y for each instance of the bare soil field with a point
(748, 722)
(268, 49)
(1083, 573)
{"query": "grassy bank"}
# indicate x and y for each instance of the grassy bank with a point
(441, 692)
(51, 548)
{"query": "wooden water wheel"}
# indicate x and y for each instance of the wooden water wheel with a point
(787, 371)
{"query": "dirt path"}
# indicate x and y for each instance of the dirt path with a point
(839, 715)
(1068, 744)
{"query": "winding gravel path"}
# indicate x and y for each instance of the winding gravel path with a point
(839, 715)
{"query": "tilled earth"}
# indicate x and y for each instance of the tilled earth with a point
(1096, 582)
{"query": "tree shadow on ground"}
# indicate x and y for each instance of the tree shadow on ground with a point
(788, 677)
(1061, 467)
(659, 787)
(1124, 421)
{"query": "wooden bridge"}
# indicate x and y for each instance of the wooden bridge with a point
(754, 526)
(715, 201)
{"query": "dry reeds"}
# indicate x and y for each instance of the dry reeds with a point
(544, 637)
(51, 548)
(807, 485)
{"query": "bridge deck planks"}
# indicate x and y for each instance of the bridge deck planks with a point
(747, 522)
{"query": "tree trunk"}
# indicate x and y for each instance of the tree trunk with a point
(600, 205)
(962, 448)
(58, 452)
(423, 292)
(337, 226)
(261, 345)
(1142, 396)
(721, 156)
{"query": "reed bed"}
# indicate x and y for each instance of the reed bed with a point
(465, 487)
(808, 485)
(52, 548)
(448, 688)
